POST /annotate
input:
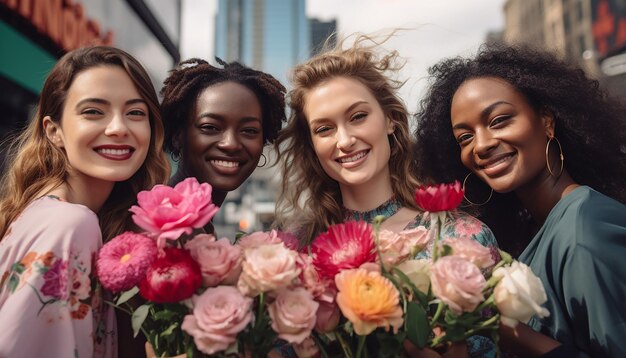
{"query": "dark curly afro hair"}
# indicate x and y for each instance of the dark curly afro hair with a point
(185, 82)
(590, 126)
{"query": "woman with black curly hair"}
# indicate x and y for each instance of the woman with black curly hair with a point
(549, 145)
(217, 121)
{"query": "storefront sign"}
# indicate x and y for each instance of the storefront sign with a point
(63, 21)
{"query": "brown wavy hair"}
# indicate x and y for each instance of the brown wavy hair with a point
(36, 166)
(311, 200)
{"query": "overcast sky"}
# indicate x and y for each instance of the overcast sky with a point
(437, 29)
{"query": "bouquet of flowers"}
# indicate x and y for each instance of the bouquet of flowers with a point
(203, 296)
(385, 297)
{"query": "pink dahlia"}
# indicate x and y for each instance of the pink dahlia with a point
(123, 261)
(169, 212)
(442, 197)
(344, 246)
(172, 277)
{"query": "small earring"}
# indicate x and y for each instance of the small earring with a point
(560, 156)
(471, 202)
(264, 161)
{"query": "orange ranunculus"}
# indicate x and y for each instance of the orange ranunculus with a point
(368, 300)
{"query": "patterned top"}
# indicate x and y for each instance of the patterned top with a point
(50, 305)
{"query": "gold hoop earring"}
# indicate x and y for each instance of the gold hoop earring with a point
(264, 161)
(560, 156)
(471, 202)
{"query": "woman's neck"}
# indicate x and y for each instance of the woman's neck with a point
(84, 190)
(367, 196)
(541, 195)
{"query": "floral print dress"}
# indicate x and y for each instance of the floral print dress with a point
(50, 305)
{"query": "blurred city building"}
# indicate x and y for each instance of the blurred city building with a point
(272, 36)
(320, 32)
(588, 33)
(34, 34)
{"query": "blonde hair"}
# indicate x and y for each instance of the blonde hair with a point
(310, 199)
(37, 166)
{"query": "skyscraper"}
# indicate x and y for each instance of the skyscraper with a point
(270, 35)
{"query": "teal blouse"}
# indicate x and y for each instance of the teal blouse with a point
(580, 255)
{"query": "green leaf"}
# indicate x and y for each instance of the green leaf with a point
(421, 297)
(169, 330)
(138, 317)
(125, 296)
(418, 328)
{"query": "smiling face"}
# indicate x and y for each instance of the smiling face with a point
(105, 127)
(224, 138)
(349, 131)
(502, 137)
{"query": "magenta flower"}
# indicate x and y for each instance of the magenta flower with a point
(55, 280)
(442, 197)
(170, 212)
(124, 261)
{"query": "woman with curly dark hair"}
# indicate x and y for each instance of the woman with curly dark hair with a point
(217, 121)
(549, 145)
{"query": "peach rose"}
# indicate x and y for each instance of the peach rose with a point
(219, 314)
(397, 247)
(368, 300)
(267, 268)
(470, 250)
(293, 314)
(220, 261)
(259, 238)
(418, 272)
(519, 294)
(458, 283)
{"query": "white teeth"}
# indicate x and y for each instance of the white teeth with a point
(498, 162)
(113, 151)
(223, 163)
(353, 158)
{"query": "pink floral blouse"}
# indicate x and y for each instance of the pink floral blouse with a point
(50, 305)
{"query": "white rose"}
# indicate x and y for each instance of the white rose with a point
(418, 272)
(519, 294)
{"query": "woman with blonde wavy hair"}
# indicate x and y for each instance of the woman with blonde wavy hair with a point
(93, 144)
(346, 152)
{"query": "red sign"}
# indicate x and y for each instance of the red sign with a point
(61, 20)
(609, 26)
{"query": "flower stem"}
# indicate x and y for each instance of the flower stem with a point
(344, 346)
(359, 348)
(259, 316)
(439, 217)
(437, 314)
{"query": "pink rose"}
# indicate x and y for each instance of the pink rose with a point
(293, 314)
(328, 316)
(220, 261)
(309, 277)
(458, 283)
(267, 268)
(170, 212)
(219, 314)
(258, 238)
(470, 250)
(397, 247)
(306, 349)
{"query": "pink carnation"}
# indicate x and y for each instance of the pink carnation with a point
(124, 261)
(170, 212)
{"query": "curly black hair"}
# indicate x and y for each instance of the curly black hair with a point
(185, 82)
(589, 124)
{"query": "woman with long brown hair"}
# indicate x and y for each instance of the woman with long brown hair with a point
(94, 143)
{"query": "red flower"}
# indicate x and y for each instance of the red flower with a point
(442, 197)
(344, 246)
(172, 277)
